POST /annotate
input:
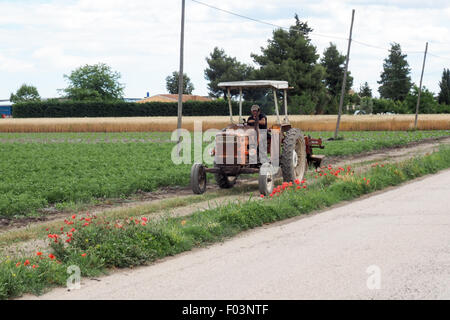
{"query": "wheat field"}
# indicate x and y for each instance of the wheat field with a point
(165, 124)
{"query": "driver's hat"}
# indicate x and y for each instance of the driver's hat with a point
(255, 107)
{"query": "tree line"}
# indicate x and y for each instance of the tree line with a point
(289, 55)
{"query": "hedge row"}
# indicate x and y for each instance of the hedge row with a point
(51, 109)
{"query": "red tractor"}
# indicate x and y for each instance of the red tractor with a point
(242, 148)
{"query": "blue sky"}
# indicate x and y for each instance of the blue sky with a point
(40, 41)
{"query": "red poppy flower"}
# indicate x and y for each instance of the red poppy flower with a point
(144, 219)
(35, 266)
(74, 216)
(39, 253)
(51, 256)
(27, 262)
(18, 264)
(83, 254)
(262, 196)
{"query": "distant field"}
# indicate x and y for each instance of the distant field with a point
(42, 169)
(165, 124)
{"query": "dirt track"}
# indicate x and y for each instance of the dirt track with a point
(393, 245)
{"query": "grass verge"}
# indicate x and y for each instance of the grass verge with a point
(95, 244)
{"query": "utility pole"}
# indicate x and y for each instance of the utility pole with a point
(180, 78)
(341, 101)
(420, 87)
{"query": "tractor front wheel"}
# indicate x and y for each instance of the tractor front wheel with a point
(293, 156)
(198, 178)
(266, 179)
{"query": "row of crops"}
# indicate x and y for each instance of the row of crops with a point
(39, 170)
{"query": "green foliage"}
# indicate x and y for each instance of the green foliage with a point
(25, 93)
(395, 81)
(222, 68)
(355, 142)
(428, 103)
(334, 64)
(64, 109)
(172, 83)
(302, 104)
(94, 82)
(39, 170)
(444, 84)
(111, 243)
(365, 91)
(366, 104)
(387, 105)
(291, 56)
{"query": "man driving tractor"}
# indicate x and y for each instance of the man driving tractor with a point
(256, 114)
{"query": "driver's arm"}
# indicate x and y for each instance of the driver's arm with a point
(263, 121)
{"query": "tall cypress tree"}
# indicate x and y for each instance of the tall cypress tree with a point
(395, 82)
(444, 94)
(365, 91)
(333, 62)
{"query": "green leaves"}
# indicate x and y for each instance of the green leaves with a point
(395, 81)
(94, 83)
(223, 68)
(25, 93)
(172, 83)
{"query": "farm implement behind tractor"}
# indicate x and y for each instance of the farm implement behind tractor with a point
(243, 147)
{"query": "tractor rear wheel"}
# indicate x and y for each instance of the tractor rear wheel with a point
(293, 156)
(198, 178)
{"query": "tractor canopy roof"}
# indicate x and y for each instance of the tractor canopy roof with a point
(276, 84)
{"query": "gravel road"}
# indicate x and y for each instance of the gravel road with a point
(392, 245)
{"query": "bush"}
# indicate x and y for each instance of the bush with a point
(66, 109)
(302, 104)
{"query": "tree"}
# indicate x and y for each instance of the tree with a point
(290, 56)
(25, 93)
(222, 68)
(395, 81)
(172, 83)
(333, 62)
(444, 94)
(428, 103)
(94, 82)
(365, 91)
(366, 105)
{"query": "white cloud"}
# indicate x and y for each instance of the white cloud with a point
(41, 41)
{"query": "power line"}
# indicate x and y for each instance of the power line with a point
(265, 22)
(438, 56)
(311, 33)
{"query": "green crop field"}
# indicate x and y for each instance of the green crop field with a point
(38, 170)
